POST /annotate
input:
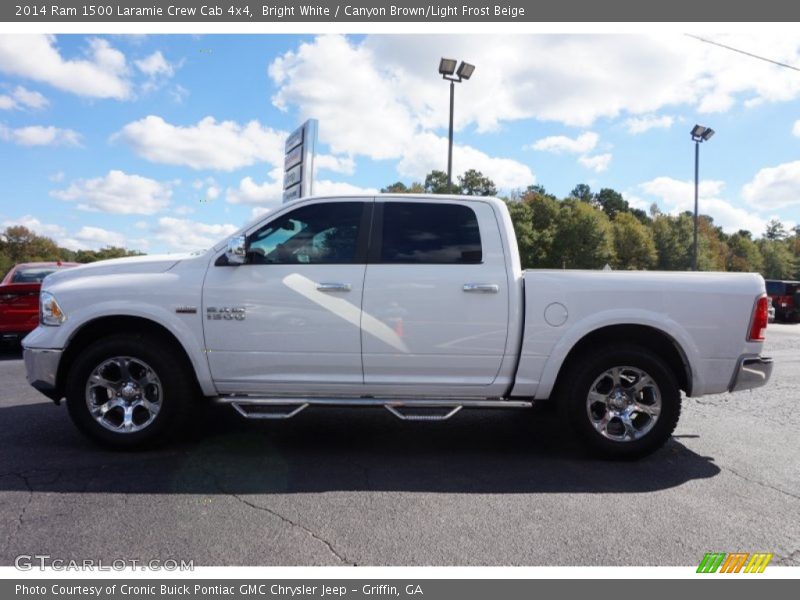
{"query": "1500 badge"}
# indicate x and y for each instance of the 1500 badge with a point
(226, 313)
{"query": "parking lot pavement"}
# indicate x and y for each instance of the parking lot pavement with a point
(359, 487)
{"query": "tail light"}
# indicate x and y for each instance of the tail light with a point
(758, 322)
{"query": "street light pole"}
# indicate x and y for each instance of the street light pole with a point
(699, 135)
(696, 194)
(447, 69)
(450, 138)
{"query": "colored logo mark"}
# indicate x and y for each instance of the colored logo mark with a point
(736, 562)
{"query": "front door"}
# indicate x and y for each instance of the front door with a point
(291, 313)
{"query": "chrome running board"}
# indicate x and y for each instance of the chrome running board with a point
(406, 409)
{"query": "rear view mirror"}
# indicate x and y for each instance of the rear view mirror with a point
(236, 252)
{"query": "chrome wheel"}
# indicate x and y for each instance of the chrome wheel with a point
(124, 394)
(623, 404)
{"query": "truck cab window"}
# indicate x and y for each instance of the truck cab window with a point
(318, 234)
(415, 232)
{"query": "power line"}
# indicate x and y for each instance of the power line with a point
(750, 54)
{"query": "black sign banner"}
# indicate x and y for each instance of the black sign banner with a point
(381, 11)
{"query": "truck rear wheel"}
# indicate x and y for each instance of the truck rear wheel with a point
(623, 401)
(128, 391)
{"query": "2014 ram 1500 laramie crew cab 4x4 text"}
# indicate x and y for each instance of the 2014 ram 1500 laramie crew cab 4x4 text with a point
(415, 303)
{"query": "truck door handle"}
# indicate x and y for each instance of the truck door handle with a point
(481, 288)
(334, 287)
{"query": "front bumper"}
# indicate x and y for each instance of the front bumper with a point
(752, 372)
(41, 366)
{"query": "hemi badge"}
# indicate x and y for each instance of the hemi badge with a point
(186, 310)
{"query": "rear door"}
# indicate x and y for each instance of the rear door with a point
(435, 309)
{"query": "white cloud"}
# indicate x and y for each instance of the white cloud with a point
(558, 144)
(223, 145)
(644, 123)
(428, 151)
(118, 193)
(155, 65)
(269, 194)
(675, 196)
(29, 98)
(344, 86)
(258, 211)
(796, 128)
(94, 238)
(184, 210)
(597, 163)
(158, 71)
(39, 135)
(325, 187)
(249, 192)
(774, 187)
(87, 237)
(183, 234)
(337, 164)
(22, 98)
(34, 224)
(212, 192)
(101, 74)
(374, 93)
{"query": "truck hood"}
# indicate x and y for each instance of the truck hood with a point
(156, 263)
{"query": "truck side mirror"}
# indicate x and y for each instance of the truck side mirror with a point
(236, 252)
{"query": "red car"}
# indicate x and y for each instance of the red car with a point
(19, 297)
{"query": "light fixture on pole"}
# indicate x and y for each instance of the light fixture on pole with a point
(699, 135)
(448, 71)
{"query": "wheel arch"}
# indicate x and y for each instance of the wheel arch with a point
(646, 336)
(105, 326)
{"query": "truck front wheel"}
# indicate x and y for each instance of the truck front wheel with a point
(623, 401)
(128, 391)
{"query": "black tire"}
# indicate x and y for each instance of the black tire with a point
(175, 395)
(589, 372)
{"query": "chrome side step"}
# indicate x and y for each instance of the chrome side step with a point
(268, 411)
(406, 409)
(423, 413)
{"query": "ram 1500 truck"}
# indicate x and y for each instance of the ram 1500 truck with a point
(414, 303)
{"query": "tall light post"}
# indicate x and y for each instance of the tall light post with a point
(699, 134)
(447, 69)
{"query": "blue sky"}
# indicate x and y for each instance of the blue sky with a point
(170, 142)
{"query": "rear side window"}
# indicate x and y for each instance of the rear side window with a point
(420, 233)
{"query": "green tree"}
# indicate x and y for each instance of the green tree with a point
(612, 202)
(779, 262)
(582, 192)
(743, 253)
(534, 215)
(673, 240)
(583, 238)
(401, 188)
(776, 230)
(522, 219)
(20, 244)
(712, 252)
(436, 183)
(633, 243)
(475, 183)
(88, 256)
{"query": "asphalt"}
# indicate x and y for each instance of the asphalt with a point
(358, 487)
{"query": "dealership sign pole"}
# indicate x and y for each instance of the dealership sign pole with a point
(298, 162)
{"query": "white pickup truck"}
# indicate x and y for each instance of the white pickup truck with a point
(414, 303)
